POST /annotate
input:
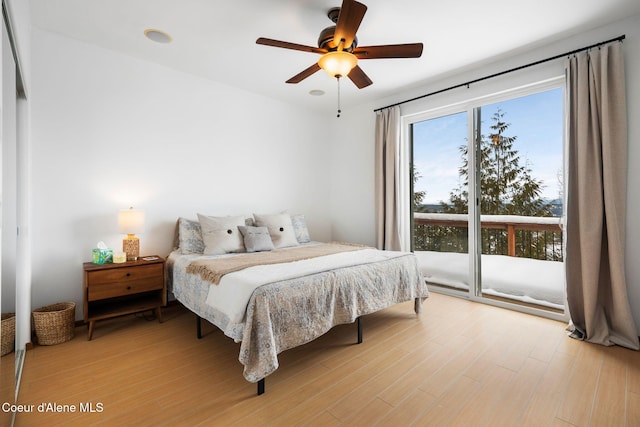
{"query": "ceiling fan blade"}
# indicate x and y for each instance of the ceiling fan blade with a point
(351, 14)
(304, 74)
(409, 50)
(359, 78)
(288, 45)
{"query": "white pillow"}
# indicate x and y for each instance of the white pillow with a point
(221, 234)
(280, 228)
(256, 239)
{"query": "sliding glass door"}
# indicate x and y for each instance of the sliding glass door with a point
(505, 155)
(521, 206)
(440, 225)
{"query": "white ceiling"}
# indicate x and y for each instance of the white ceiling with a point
(216, 39)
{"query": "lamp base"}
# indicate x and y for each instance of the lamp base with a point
(131, 246)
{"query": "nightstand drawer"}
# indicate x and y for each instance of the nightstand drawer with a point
(110, 276)
(128, 287)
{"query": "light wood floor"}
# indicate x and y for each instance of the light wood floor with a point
(460, 363)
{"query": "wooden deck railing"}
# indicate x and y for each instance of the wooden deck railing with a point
(529, 237)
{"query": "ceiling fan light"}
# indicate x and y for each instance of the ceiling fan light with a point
(338, 63)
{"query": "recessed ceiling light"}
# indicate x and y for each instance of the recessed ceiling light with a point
(316, 92)
(157, 36)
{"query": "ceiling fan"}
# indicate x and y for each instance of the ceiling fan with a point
(339, 48)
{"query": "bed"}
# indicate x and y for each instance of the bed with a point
(280, 298)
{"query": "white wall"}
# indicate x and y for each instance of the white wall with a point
(352, 177)
(352, 213)
(110, 131)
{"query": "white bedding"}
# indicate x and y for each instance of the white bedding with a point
(232, 294)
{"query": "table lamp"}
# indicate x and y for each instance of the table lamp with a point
(130, 222)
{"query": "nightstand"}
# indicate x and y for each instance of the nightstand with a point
(112, 290)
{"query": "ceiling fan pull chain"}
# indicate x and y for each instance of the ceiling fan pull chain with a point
(339, 110)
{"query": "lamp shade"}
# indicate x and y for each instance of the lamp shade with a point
(338, 63)
(131, 221)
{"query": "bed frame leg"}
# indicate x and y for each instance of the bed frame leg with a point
(359, 330)
(417, 306)
(261, 387)
(198, 326)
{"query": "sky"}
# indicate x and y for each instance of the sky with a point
(535, 120)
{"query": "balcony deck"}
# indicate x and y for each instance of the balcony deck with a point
(525, 280)
(504, 274)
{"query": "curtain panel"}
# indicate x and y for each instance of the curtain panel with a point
(596, 198)
(391, 192)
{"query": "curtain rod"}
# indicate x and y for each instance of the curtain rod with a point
(619, 38)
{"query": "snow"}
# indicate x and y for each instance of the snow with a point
(502, 219)
(523, 279)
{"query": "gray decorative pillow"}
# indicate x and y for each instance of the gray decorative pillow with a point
(256, 239)
(300, 228)
(190, 237)
(221, 234)
(280, 229)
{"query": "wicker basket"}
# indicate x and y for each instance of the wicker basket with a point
(8, 333)
(55, 323)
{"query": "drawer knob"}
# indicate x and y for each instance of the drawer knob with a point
(128, 274)
(128, 288)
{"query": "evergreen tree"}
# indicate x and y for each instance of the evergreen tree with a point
(418, 196)
(507, 186)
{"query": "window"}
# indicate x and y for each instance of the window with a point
(505, 155)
